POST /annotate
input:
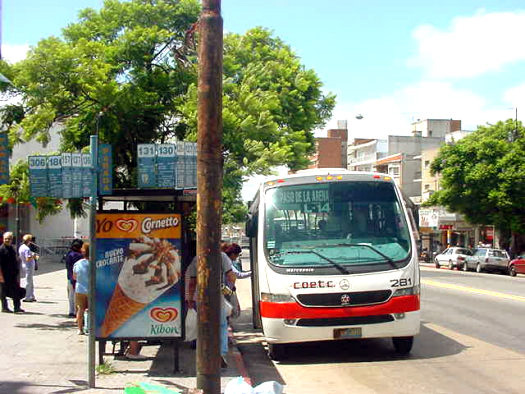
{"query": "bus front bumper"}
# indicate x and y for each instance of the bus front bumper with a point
(279, 330)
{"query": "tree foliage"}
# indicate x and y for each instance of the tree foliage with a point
(18, 192)
(129, 71)
(483, 176)
(271, 105)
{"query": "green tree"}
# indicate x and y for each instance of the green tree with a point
(271, 106)
(129, 71)
(483, 176)
(17, 191)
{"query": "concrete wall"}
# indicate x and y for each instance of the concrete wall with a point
(411, 176)
(429, 183)
(412, 145)
(435, 127)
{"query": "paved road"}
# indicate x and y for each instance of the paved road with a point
(489, 307)
(468, 344)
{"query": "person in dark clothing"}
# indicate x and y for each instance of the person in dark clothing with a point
(71, 258)
(10, 271)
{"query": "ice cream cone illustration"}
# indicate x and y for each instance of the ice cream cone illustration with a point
(151, 267)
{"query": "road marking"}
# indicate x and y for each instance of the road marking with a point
(472, 290)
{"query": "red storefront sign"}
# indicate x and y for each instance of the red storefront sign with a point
(446, 226)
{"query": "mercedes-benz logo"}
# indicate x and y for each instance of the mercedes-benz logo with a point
(344, 284)
(345, 299)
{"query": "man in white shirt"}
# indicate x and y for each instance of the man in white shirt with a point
(27, 258)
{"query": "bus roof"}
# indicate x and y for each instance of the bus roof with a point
(323, 172)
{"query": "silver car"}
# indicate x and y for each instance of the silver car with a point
(487, 259)
(452, 257)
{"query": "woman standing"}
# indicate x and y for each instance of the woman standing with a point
(81, 275)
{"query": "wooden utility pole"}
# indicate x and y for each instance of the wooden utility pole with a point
(209, 202)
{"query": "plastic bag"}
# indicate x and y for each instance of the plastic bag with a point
(236, 308)
(227, 308)
(270, 387)
(191, 325)
(239, 386)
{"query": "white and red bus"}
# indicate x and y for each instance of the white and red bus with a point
(334, 256)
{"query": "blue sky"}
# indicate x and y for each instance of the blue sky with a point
(392, 61)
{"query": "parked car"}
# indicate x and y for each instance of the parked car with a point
(452, 257)
(517, 266)
(488, 259)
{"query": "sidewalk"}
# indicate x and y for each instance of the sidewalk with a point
(42, 353)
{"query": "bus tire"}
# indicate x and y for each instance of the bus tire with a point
(276, 351)
(403, 345)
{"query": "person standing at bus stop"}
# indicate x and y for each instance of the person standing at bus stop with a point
(10, 272)
(72, 257)
(227, 275)
(81, 275)
(28, 258)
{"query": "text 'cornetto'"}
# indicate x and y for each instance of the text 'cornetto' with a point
(149, 225)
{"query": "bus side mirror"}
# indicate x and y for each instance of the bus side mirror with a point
(251, 226)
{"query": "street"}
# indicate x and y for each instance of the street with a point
(471, 340)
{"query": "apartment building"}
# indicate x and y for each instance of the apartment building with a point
(330, 151)
(363, 153)
(435, 127)
(405, 170)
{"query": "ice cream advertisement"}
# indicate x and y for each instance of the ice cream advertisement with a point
(138, 280)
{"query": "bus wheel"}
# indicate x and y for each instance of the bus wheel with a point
(276, 351)
(403, 345)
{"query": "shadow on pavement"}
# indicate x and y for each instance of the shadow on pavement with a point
(250, 343)
(427, 345)
(47, 264)
(9, 387)
(63, 326)
(163, 363)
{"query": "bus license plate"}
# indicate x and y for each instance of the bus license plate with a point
(342, 333)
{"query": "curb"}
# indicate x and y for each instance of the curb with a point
(239, 361)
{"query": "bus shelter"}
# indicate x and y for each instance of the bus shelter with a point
(143, 246)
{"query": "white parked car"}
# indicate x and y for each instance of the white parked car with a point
(453, 257)
(487, 259)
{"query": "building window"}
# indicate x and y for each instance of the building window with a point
(393, 170)
(427, 187)
(427, 164)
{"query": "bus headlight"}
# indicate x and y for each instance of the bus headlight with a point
(269, 297)
(406, 291)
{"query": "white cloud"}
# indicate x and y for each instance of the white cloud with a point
(471, 46)
(14, 53)
(515, 97)
(393, 114)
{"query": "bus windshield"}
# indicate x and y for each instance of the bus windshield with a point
(338, 224)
